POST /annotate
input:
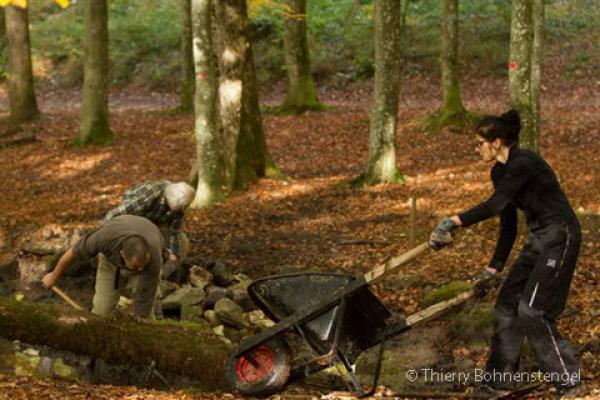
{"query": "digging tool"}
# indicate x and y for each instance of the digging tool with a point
(336, 315)
(67, 298)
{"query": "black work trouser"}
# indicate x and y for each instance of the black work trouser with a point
(533, 295)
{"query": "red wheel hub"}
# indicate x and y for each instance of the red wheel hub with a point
(256, 366)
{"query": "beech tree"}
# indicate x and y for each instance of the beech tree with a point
(301, 92)
(206, 173)
(21, 92)
(526, 49)
(186, 96)
(382, 137)
(244, 146)
(94, 126)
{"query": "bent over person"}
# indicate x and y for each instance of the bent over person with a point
(128, 246)
(164, 203)
(535, 291)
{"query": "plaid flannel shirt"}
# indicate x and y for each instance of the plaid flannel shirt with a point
(148, 200)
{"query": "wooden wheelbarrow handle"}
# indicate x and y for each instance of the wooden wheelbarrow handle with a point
(66, 298)
(391, 266)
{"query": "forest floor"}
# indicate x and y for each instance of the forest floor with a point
(313, 220)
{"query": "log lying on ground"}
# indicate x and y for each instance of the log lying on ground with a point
(192, 350)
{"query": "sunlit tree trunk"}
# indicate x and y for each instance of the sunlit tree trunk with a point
(537, 59)
(301, 93)
(208, 145)
(186, 97)
(522, 71)
(94, 119)
(245, 152)
(382, 142)
(23, 105)
(452, 102)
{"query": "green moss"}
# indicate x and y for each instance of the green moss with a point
(474, 324)
(457, 122)
(445, 292)
(367, 179)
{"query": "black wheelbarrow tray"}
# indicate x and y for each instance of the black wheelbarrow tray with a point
(336, 315)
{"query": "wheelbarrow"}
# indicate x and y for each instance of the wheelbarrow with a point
(335, 315)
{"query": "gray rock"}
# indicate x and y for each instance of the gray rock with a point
(219, 330)
(214, 294)
(167, 287)
(222, 274)
(185, 296)
(241, 280)
(31, 271)
(230, 313)
(192, 313)
(241, 297)
(211, 317)
(199, 277)
(45, 367)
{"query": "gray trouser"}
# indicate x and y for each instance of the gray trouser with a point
(533, 295)
(106, 296)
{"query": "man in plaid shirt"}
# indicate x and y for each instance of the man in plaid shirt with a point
(164, 203)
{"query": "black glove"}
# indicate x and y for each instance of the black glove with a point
(441, 236)
(485, 282)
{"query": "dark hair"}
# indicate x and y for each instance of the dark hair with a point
(134, 248)
(506, 127)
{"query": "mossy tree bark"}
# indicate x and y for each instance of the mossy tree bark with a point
(382, 141)
(186, 96)
(245, 151)
(21, 92)
(94, 127)
(208, 139)
(452, 104)
(525, 67)
(190, 350)
(301, 92)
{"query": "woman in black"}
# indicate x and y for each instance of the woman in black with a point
(535, 291)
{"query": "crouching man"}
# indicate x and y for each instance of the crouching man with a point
(128, 246)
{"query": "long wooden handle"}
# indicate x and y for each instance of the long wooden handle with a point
(381, 271)
(66, 298)
(438, 309)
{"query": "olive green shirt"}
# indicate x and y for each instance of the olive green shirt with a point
(107, 239)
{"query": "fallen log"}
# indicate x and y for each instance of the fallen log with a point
(192, 350)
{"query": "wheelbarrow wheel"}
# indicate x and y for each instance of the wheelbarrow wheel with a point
(261, 371)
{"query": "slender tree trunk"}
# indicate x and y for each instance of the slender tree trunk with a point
(94, 119)
(208, 144)
(301, 93)
(382, 142)
(23, 105)
(186, 99)
(520, 71)
(245, 152)
(452, 102)
(537, 59)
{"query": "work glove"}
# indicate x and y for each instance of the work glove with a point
(485, 282)
(441, 236)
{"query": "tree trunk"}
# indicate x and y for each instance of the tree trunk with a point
(23, 105)
(520, 71)
(192, 351)
(186, 98)
(452, 102)
(537, 58)
(245, 153)
(301, 93)
(382, 142)
(94, 119)
(208, 142)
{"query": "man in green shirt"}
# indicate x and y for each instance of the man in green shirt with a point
(126, 245)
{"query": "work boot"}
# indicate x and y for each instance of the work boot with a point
(486, 390)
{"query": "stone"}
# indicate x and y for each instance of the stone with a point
(230, 313)
(254, 316)
(26, 365)
(167, 287)
(199, 277)
(211, 317)
(65, 371)
(240, 296)
(192, 313)
(264, 323)
(241, 281)
(185, 296)
(221, 273)
(125, 302)
(214, 294)
(219, 330)
(45, 367)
